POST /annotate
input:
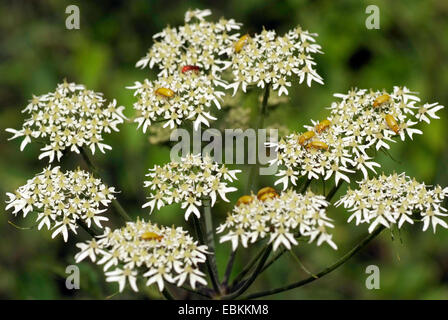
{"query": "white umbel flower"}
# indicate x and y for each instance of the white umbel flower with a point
(59, 199)
(339, 145)
(160, 254)
(374, 118)
(268, 58)
(281, 218)
(177, 98)
(189, 181)
(395, 199)
(199, 43)
(69, 118)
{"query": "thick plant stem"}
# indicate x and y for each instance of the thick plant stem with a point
(333, 191)
(248, 267)
(198, 292)
(229, 268)
(274, 258)
(324, 272)
(252, 178)
(167, 294)
(209, 236)
(87, 160)
(264, 107)
(305, 185)
(253, 277)
(277, 255)
(118, 208)
(200, 235)
(93, 230)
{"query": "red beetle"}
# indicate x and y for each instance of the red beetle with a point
(190, 68)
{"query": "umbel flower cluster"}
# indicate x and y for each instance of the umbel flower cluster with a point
(59, 199)
(339, 145)
(193, 57)
(282, 218)
(270, 59)
(175, 98)
(189, 182)
(395, 199)
(190, 59)
(198, 43)
(69, 118)
(157, 253)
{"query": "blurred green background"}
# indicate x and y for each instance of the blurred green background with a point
(37, 52)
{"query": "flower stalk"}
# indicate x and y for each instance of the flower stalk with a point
(209, 237)
(118, 207)
(253, 175)
(324, 272)
(208, 262)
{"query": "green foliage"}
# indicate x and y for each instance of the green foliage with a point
(410, 49)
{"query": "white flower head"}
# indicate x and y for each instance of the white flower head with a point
(341, 144)
(395, 199)
(198, 43)
(267, 58)
(59, 199)
(281, 218)
(175, 99)
(189, 182)
(160, 254)
(69, 118)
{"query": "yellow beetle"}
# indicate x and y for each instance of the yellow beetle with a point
(316, 144)
(244, 200)
(241, 42)
(266, 193)
(305, 137)
(324, 124)
(392, 123)
(165, 92)
(151, 236)
(381, 100)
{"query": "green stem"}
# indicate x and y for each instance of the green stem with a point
(264, 106)
(333, 191)
(252, 178)
(278, 255)
(118, 208)
(324, 272)
(302, 266)
(87, 160)
(93, 230)
(209, 236)
(328, 198)
(305, 185)
(198, 229)
(167, 294)
(274, 258)
(229, 268)
(195, 292)
(248, 267)
(253, 277)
